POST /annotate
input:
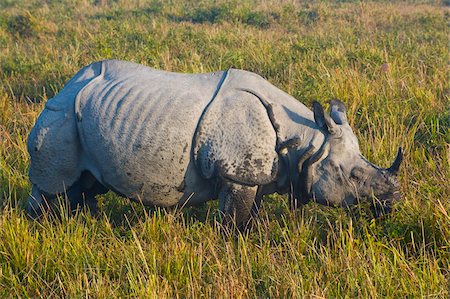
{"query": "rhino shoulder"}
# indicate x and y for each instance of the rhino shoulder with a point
(235, 139)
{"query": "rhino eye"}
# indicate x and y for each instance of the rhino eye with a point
(357, 174)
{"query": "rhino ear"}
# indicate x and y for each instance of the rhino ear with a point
(323, 120)
(319, 114)
(338, 112)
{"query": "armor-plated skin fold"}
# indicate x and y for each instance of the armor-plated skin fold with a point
(138, 140)
(173, 139)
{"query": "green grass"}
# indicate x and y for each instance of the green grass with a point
(388, 61)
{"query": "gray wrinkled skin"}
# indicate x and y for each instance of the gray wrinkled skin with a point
(171, 139)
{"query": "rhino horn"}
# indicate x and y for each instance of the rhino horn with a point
(338, 112)
(322, 119)
(396, 165)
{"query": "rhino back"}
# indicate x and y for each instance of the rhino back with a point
(136, 125)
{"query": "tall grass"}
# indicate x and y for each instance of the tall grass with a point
(388, 61)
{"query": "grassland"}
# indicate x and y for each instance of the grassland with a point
(388, 61)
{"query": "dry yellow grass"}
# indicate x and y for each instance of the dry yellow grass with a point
(387, 60)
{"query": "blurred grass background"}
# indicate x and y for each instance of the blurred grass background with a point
(387, 60)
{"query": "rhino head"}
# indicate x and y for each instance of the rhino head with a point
(338, 175)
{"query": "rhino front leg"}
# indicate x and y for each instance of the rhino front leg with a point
(236, 203)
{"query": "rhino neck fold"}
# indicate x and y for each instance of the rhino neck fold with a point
(295, 173)
(303, 180)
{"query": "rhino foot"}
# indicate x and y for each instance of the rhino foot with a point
(38, 203)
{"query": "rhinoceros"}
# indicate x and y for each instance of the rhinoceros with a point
(169, 139)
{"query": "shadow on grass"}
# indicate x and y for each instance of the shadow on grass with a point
(123, 212)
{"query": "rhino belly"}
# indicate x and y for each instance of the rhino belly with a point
(136, 128)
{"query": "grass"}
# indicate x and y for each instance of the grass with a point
(387, 60)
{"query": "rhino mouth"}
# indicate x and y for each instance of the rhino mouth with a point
(382, 205)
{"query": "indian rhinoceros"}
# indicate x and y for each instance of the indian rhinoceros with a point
(171, 139)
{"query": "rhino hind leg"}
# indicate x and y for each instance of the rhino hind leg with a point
(39, 202)
(82, 193)
(237, 204)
